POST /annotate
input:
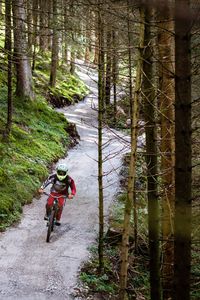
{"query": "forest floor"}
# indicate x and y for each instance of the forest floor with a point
(30, 268)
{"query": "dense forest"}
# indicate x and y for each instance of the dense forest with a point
(146, 55)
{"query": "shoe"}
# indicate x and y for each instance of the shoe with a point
(57, 223)
(46, 218)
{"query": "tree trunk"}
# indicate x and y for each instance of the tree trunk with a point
(72, 58)
(1, 14)
(22, 61)
(72, 50)
(8, 49)
(30, 25)
(35, 30)
(55, 48)
(88, 36)
(66, 47)
(44, 7)
(96, 50)
(115, 73)
(132, 169)
(100, 127)
(151, 160)
(130, 41)
(50, 24)
(108, 66)
(183, 168)
(167, 98)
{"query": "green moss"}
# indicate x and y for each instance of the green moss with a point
(69, 89)
(38, 137)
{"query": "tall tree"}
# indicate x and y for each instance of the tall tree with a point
(55, 46)
(167, 98)
(65, 38)
(96, 45)
(130, 70)
(132, 167)
(35, 30)
(100, 125)
(72, 48)
(22, 61)
(43, 13)
(50, 23)
(1, 14)
(29, 7)
(115, 72)
(108, 64)
(151, 159)
(88, 35)
(8, 49)
(183, 170)
(73, 54)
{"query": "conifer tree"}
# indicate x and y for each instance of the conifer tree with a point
(183, 169)
(151, 159)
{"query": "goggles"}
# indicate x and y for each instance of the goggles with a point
(62, 173)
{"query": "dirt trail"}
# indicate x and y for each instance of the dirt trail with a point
(30, 268)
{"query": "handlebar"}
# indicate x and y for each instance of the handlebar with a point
(54, 196)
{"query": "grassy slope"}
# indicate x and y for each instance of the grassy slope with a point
(38, 138)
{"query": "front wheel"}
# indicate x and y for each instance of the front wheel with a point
(50, 225)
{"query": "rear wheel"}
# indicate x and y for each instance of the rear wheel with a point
(50, 225)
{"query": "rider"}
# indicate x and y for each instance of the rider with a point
(61, 182)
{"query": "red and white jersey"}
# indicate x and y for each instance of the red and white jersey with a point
(60, 186)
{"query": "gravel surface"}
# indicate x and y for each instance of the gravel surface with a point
(30, 268)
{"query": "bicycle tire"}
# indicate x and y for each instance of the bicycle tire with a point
(50, 225)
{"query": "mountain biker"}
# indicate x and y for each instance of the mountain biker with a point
(61, 182)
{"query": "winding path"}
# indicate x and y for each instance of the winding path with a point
(30, 268)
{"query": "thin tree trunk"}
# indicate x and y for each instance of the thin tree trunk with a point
(50, 24)
(1, 14)
(72, 50)
(183, 168)
(132, 170)
(8, 49)
(151, 160)
(72, 58)
(115, 73)
(66, 48)
(167, 98)
(30, 25)
(44, 7)
(54, 55)
(35, 31)
(108, 66)
(88, 36)
(100, 125)
(96, 44)
(96, 50)
(130, 41)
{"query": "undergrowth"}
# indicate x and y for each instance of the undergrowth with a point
(106, 285)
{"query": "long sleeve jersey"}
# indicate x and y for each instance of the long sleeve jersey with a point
(60, 186)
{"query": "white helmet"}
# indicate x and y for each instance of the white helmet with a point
(61, 171)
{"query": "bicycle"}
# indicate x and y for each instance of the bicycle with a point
(52, 215)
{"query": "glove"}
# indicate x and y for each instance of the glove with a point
(41, 191)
